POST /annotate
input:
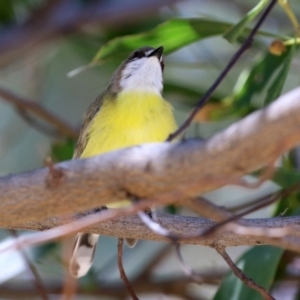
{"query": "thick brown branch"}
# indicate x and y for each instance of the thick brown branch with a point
(157, 171)
(133, 227)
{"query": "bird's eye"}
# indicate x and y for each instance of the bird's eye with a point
(162, 65)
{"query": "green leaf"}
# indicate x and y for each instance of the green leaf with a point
(171, 209)
(62, 151)
(235, 31)
(191, 95)
(274, 91)
(288, 205)
(258, 263)
(172, 34)
(286, 177)
(253, 81)
(7, 13)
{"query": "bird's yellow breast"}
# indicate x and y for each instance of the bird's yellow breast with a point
(130, 119)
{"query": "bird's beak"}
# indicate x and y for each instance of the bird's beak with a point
(158, 52)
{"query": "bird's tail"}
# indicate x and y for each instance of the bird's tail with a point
(83, 254)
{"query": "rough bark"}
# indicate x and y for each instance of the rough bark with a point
(148, 171)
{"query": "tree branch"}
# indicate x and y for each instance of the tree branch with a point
(63, 17)
(36, 278)
(27, 106)
(122, 271)
(175, 285)
(173, 171)
(133, 227)
(243, 277)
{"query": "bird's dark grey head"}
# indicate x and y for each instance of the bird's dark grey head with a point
(141, 71)
(147, 52)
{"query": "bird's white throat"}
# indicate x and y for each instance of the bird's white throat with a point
(144, 74)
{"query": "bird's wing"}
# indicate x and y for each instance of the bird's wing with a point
(83, 136)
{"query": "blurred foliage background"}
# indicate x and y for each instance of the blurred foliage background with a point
(61, 55)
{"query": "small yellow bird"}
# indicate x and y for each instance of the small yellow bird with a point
(131, 111)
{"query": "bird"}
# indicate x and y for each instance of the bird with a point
(129, 112)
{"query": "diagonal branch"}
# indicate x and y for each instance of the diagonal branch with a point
(205, 98)
(37, 280)
(29, 106)
(242, 276)
(166, 172)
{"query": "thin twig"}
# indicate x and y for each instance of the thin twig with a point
(267, 201)
(239, 228)
(33, 107)
(207, 209)
(75, 226)
(291, 15)
(227, 218)
(241, 207)
(241, 275)
(204, 99)
(37, 280)
(38, 125)
(196, 277)
(238, 216)
(122, 271)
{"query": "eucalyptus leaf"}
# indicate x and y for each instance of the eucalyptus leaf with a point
(7, 13)
(172, 34)
(235, 31)
(276, 87)
(62, 151)
(286, 177)
(255, 80)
